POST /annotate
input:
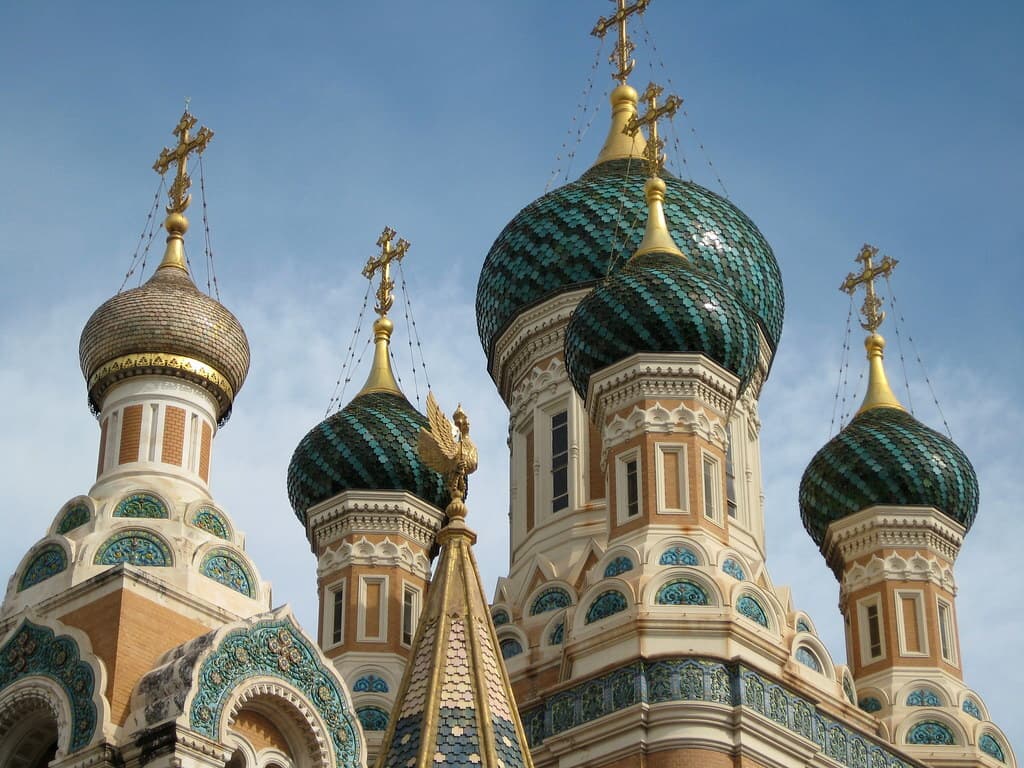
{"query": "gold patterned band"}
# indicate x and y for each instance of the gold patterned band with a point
(123, 366)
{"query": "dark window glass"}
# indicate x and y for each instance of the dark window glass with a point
(730, 482)
(338, 616)
(874, 632)
(559, 461)
(632, 490)
(408, 616)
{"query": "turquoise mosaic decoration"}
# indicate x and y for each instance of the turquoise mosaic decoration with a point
(500, 617)
(35, 651)
(370, 684)
(659, 303)
(886, 456)
(870, 704)
(144, 505)
(808, 659)
(848, 690)
(678, 556)
(510, 647)
(802, 626)
(681, 592)
(922, 697)
(48, 562)
(930, 732)
(224, 568)
(211, 521)
(605, 605)
(134, 548)
(749, 607)
(557, 634)
(551, 599)
(370, 444)
(700, 679)
(73, 517)
(733, 568)
(581, 232)
(970, 706)
(617, 567)
(373, 718)
(991, 747)
(273, 648)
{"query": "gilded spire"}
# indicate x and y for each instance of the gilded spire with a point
(382, 378)
(619, 145)
(455, 705)
(879, 394)
(176, 224)
(656, 236)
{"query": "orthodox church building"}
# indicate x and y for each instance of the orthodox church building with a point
(630, 320)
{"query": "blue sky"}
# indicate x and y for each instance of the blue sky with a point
(830, 124)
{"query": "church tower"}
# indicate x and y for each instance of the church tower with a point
(889, 501)
(371, 510)
(137, 631)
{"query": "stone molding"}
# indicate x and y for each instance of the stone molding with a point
(539, 381)
(354, 512)
(373, 555)
(318, 747)
(647, 375)
(896, 568)
(659, 420)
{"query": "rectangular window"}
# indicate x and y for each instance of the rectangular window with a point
(910, 623)
(730, 483)
(946, 632)
(670, 478)
(337, 604)
(874, 632)
(870, 632)
(559, 461)
(632, 490)
(373, 609)
(410, 614)
(710, 488)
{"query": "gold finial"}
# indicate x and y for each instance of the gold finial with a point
(620, 57)
(455, 460)
(176, 224)
(653, 154)
(382, 378)
(879, 394)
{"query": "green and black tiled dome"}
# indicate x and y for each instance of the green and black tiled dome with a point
(885, 456)
(565, 240)
(370, 444)
(658, 302)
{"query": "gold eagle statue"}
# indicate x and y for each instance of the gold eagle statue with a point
(453, 458)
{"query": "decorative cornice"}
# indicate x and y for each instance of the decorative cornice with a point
(374, 554)
(538, 382)
(369, 512)
(897, 568)
(648, 375)
(534, 334)
(658, 419)
(156, 363)
(886, 527)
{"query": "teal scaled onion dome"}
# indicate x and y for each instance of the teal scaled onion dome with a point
(659, 302)
(370, 444)
(569, 238)
(885, 456)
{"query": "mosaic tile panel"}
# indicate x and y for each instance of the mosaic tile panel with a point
(808, 659)
(370, 684)
(970, 706)
(749, 607)
(678, 556)
(510, 647)
(991, 747)
(500, 617)
(870, 704)
(848, 690)
(923, 697)
(416, 693)
(210, 520)
(617, 567)
(135, 548)
(930, 732)
(557, 634)
(550, 599)
(659, 303)
(802, 626)
(144, 505)
(681, 592)
(507, 743)
(733, 568)
(370, 444)
(35, 651)
(74, 516)
(606, 604)
(225, 568)
(48, 562)
(372, 718)
(886, 456)
(273, 648)
(585, 230)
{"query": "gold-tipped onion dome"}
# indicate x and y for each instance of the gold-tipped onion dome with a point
(165, 327)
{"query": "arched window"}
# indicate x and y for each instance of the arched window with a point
(734, 569)
(135, 548)
(551, 599)
(49, 561)
(74, 516)
(970, 706)
(224, 568)
(752, 609)
(144, 505)
(500, 617)
(510, 647)
(678, 556)
(373, 718)
(681, 592)
(618, 566)
(557, 634)
(930, 732)
(991, 747)
(606, 604)
(923, 697)
(211, 521)
(807, 657)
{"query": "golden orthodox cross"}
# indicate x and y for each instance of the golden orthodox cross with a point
(655, 159)
(872, 309)
(382, 263)
(187, 144)
(624, 47)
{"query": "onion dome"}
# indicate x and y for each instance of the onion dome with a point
(370, 444)
(573, 236)
(884, 456)
(167, 326)
(659, 302)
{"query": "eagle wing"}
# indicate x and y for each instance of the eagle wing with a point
(437, 446)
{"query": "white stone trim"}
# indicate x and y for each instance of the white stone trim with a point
(660, 420)
(391, 512)
(895, 567)
(369, 554)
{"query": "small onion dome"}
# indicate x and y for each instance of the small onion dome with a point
(885, 456)
(658, 302)
(167, 327)
(568, 238)
(370, 444)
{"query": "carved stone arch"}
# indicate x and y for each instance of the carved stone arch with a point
(121, 507)
(670, 575)
(307, 737)
(554, 632)
(770, 606)
(819, 651)
(99, 541)
(582, 618)
(208, 517)
(612, 557)
(513, 642)
(922, 715)
(532, 606)
(73, 515)
(222, 549)
(59, 554)
(923, 685)
(654, 553)
(35, 719)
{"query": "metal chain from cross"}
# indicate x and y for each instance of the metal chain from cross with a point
(187, 144)
(872, 309)
(624, 47)
(652, 153)
(382, 263)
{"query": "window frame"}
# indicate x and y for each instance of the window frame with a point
(682, 479)
(364, 581)
(716, 501)
(922, 627)
(409, 589)
(334, 622)
(946, 626)
(622, 462)
(864, 630)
